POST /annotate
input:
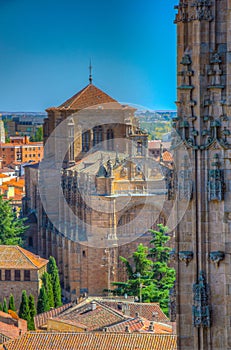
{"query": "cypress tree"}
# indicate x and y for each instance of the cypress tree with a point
(24, 311)
(0, 306)
(46, 278)
(32, 311)
(54, 273)
(43, 302)
(11, 303)
(5, 309)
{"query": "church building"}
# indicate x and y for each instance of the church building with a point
(96, 193)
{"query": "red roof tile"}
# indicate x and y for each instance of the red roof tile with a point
(88, 96)
(17, 257)
(150, 311)
(102, 316)
(92, 341)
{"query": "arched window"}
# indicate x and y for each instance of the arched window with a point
(97, 135)
(110, 141)
(86, 141)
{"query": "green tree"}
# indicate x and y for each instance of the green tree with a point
(5, 308)
(24, 311)
(38, 136)
(46, 278)
(11, 227)
(43, 302)
(0, 306)
(163, 275)
(32, 311)
(54, 273)
(139, 273)
(11, 303)
(149, 276)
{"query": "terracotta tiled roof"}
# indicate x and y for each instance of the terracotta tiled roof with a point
(167, 157)
(41, 319)
(89, 96)
(92, 341)
(9, 326)
(150, 311)
(20, 182)
(16, 257)
(154, 144)
(3, 176)
(96, 319)
(6, 170)
(140, 324)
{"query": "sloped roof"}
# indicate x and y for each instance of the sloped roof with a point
(102, 316)
(15, 257)
(92, 341)
(87, 97)
(150, 311)
(41, 319)
(141, 324)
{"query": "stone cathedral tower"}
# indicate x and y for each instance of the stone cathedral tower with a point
(203, 237)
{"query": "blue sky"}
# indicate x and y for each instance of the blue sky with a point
(45, 47)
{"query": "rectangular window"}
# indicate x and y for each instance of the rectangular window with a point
(17, 275)
(26, 275)
(7, 275)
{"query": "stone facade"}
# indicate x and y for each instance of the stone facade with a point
(115, 191)
(20, 270)
(203, 123)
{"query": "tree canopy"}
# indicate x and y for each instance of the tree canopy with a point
(11, 227)
(150, 277)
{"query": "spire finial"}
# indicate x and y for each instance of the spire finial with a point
(90, 73)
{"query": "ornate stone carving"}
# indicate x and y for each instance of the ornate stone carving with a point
(182, 15)
(186, 73)
(184, 180)
(170, 183)
(215, 71)
(172, 304)
(216, 184)
(216, 256)
(203, 10)
(200, 10)
(201, 309)
(109, 168)
(186, 256)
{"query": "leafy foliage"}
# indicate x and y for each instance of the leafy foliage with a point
(11, 227)
(151, 279)
(54, 273)
(11, 303)
(38, 136)
(139, 276)
(163, 275)
(24, 311)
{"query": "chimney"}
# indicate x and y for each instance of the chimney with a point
(151, 326)
(127, 330)
(93, 305)
(105, 329)
(137, 314)
(155, 316)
